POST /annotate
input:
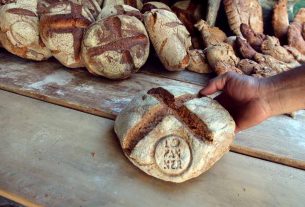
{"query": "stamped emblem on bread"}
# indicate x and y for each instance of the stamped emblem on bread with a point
(171, 134)
(172, 155)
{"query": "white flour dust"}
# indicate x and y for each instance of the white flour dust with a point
(59, 77)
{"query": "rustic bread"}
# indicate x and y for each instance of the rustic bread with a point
(112, 10)
(27, 2)
(247, 12)
(92, 5)
(115, 47)
(280, 20)
(189, 12)
(62, 26)
(134, 3)
(169, 37)
(19, 33)
(198, 62)
(170, 134)
(154, 5)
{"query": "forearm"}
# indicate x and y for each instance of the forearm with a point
(286, 91)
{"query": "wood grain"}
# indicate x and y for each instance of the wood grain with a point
(55, 156)
(49, 81)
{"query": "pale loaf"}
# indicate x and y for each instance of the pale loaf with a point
(61, 28)
(172, 135)
(169, 37)
(115, 47)
(19, 33)
(112, 10)
(134, 3)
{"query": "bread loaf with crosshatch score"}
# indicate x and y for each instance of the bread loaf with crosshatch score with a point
(62, 26)
(115, 47)
(171, 134)
(19, 33)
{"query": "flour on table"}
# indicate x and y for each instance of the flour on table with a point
(59, 77)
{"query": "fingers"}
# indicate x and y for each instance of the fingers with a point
(215, 85)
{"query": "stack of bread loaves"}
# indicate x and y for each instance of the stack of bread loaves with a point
(112, 41)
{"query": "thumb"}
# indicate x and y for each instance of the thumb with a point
(214, 85)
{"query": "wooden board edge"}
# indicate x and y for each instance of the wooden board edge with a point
(279, 159)
(18, 199)
(57, 101)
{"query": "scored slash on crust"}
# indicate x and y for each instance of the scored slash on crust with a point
(121, 44)
(169, 106)
(58, 24)
(23, 12)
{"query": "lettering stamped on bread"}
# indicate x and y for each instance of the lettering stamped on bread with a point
(171, 134)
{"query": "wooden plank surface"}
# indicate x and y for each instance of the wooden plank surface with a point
(279, 139)
(56, 156)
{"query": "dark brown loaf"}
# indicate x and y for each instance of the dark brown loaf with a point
(189, 12)
(61, 28)
(154, 5)
(115, 47)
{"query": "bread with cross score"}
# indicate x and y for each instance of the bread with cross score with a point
(62, 25)
(171, 134)
(115, 47)
(19, 33)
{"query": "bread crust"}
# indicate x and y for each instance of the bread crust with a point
(62, 26)
(169, 37)
(171, 137)
(115, 47)
(19, 33)
(113, 10)
(247, 12)
(280, 20)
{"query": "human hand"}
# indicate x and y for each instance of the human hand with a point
(245, 97)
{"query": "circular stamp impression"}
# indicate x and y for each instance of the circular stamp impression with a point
(172, 155)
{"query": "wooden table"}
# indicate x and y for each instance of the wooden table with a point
(55, 156)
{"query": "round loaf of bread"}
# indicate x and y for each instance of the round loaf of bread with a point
(112, 10)
(92, 5)
(169, 37)
(115, 47)
(62, 26)
(27, 2)
(172, 135)
(134, 3)
(19, 33)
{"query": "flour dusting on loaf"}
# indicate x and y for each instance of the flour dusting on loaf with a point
(171, 134)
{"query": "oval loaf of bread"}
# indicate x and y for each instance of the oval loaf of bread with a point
(172, 135)
(169, 37)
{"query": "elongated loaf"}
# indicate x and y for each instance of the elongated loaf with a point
(172, 135)
(169, 37)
